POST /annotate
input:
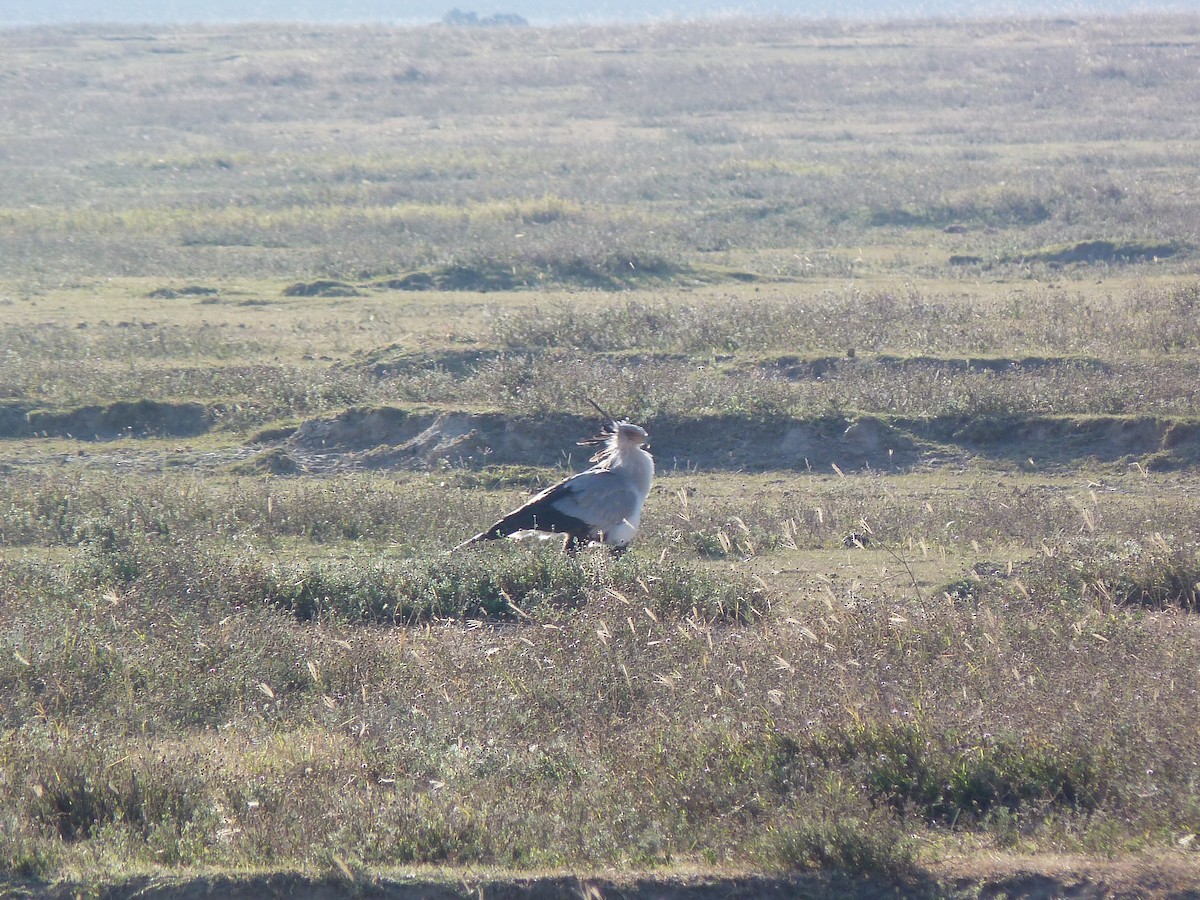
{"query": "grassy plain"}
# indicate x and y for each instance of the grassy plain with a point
(911, 312)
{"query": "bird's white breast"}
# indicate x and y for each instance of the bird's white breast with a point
(623, 533)
(638, 465)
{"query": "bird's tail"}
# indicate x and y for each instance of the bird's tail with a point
(569, 541)
(482, 536)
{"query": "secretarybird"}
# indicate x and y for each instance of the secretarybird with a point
(600, 505)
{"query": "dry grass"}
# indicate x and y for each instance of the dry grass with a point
(174, 730)
(756, 353)
(617, 147)
(933, 597)
(187, 660)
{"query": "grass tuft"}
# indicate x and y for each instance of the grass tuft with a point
(849, 846)
(962, 785)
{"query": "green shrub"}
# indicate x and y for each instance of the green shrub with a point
(908, 770)
(851, 846)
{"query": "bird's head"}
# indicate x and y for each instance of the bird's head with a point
(627, 433)
(616, 435)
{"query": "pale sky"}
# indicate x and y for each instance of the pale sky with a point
(35, 12)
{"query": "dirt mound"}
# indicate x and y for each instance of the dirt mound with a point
(448, 439)
(1111, 252)
(383, 438)
(191, 290)
(355, 429)
(137, 418)
(321, 288)
(1065, 440)
(455, 278)
(386, 437)
(610, 272)
(276, 461)
(785, 443)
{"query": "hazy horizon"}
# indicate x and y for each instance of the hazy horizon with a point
(21, 13)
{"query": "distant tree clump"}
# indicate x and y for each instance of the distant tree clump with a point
(459, 17)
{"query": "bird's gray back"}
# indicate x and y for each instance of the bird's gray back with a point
(603, 497)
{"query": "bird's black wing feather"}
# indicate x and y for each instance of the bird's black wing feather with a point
(541, 514)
